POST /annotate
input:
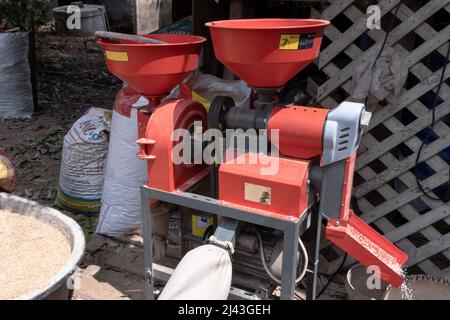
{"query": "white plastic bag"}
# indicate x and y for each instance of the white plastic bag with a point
(83, 158)
(385, 80)
(389, 76)
(125, 172)
(204, 273)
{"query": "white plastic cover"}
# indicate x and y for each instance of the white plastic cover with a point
(203, 274)
(204, 87)
(343, 131)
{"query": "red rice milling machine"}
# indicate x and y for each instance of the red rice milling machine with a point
(314, 149)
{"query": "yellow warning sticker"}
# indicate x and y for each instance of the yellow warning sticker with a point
(116, 55)
(200, 224)
(289, 42)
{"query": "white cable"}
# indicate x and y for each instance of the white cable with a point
(266, 268)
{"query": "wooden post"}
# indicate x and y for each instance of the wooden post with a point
(151, 15)
(205, 11)
(239, 9)
(242, 9)
(202, 12)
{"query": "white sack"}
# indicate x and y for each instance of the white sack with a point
(203, 274)
(124, 174)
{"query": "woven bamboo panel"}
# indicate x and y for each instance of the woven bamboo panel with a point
(385, 181)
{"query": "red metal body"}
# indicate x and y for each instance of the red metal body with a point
(266, 53)
(153, 69)
(300, 130)
(242, 182)
(347, 187)
(158, 144)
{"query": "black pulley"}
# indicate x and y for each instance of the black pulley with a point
(217, 111)
(216, 115)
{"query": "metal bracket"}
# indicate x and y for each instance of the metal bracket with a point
(226, 230)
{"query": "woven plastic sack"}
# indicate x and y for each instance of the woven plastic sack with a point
(82, 165)
(16, 93)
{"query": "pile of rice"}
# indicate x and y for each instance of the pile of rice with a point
(31, 252)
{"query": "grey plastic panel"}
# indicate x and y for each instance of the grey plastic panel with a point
(343, 130)
(331, 191)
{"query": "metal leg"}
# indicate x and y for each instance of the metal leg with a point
(148, 245)
(290, 248)
(185, 220)
(311, 290)
(213, 181)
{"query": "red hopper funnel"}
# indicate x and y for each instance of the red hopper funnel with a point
(266, 53)
(153, 69)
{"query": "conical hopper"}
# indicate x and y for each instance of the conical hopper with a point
(266, 53)
(153, 69)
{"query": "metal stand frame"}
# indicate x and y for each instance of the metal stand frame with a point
(289, 226)
(311, 279)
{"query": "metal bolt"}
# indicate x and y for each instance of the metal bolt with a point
(337, 223)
